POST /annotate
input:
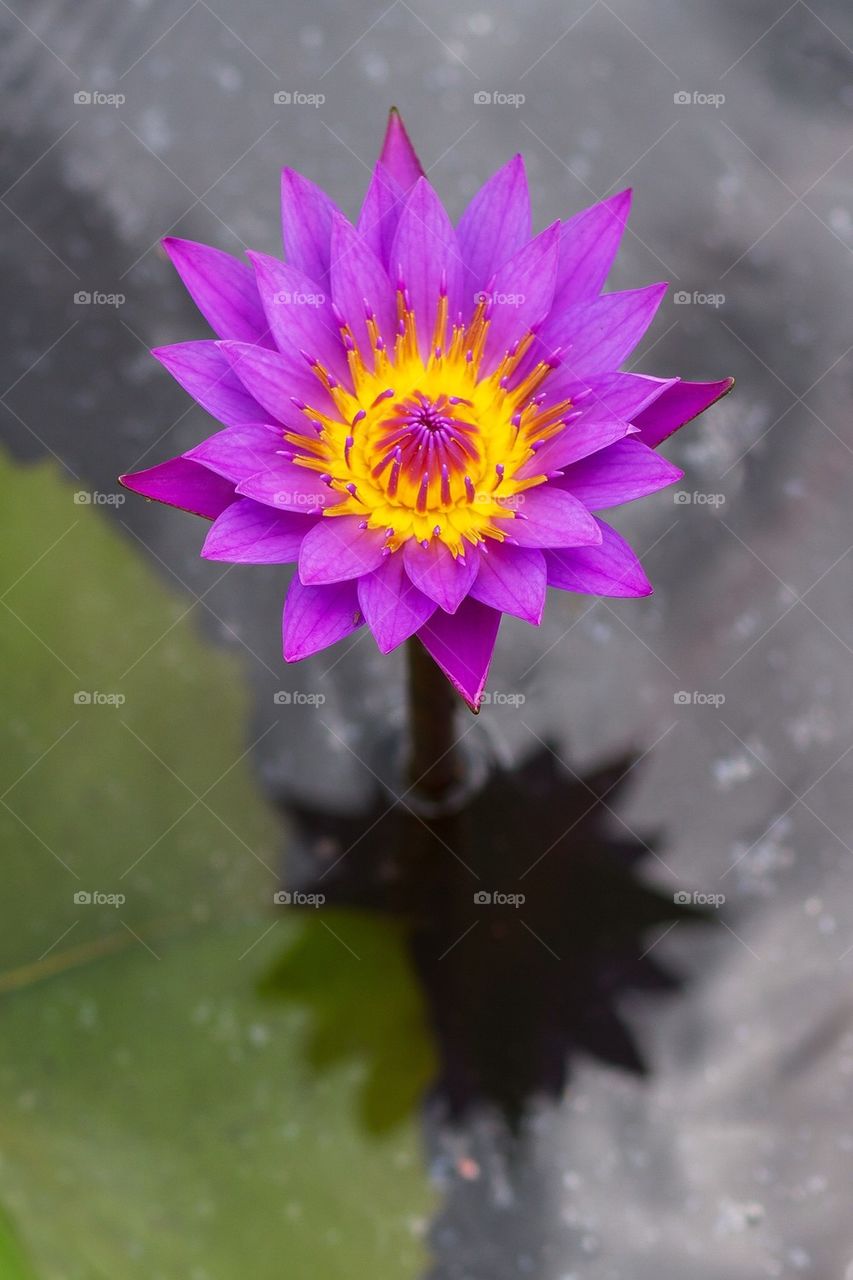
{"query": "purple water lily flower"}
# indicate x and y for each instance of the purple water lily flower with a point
(426, 420)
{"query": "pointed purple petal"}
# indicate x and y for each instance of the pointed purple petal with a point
(184, 484)
(298, 313)
(306, 223)
(622, 472)
(315, 617)
(337, 549)
(203, 370)
(392, 606)
(380, 213)
(289, 488)
(495, 226)
(438, 574)
(512, 579)
(462, 645)
(521, 293)
(577, 440)
(238, 452)
(604, 396)
(588, 244)
(358, 280)
(247, 533)
(425, 252)
(275, 380)
(398, 155)
(544, 519)
(596, 337)
(611, 569)
(222, 288)
(678, 405)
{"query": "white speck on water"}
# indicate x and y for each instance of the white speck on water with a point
(481, 24)
(734, 1218)
(154, 129)
(840, 221)
(731, 770)
(312, 37)
(375, 67)
(228, 77)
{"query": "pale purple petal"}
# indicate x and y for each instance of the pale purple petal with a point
(495, 225)
(597, 337)
(678, 405)
(337, 549)
(577, 440)
(315, 617)
(299, 313)
(184, 484)
(512, 579)
(290, 488)
(603, 396)
(462, 644)
(360, 283)
(543, 518)
(520, 293)
(380, 212)
(238, 452)
(425, 254)
(392, 606)
(204, 371)
(611, 569)
(278, 383)
(306, 224)
(247, 533)
(222, 288)
(398, 155)
(588, 244)
(438, 574)
(624, 471)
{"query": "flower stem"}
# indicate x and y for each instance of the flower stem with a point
(435, 766)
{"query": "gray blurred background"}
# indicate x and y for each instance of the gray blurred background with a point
(732, 123)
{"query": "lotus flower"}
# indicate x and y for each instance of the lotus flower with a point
(425, 420)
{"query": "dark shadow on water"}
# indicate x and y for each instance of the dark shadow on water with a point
(527, 917)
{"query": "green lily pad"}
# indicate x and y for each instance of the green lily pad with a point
(194, 1085)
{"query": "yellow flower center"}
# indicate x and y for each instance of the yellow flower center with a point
(430, 448)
